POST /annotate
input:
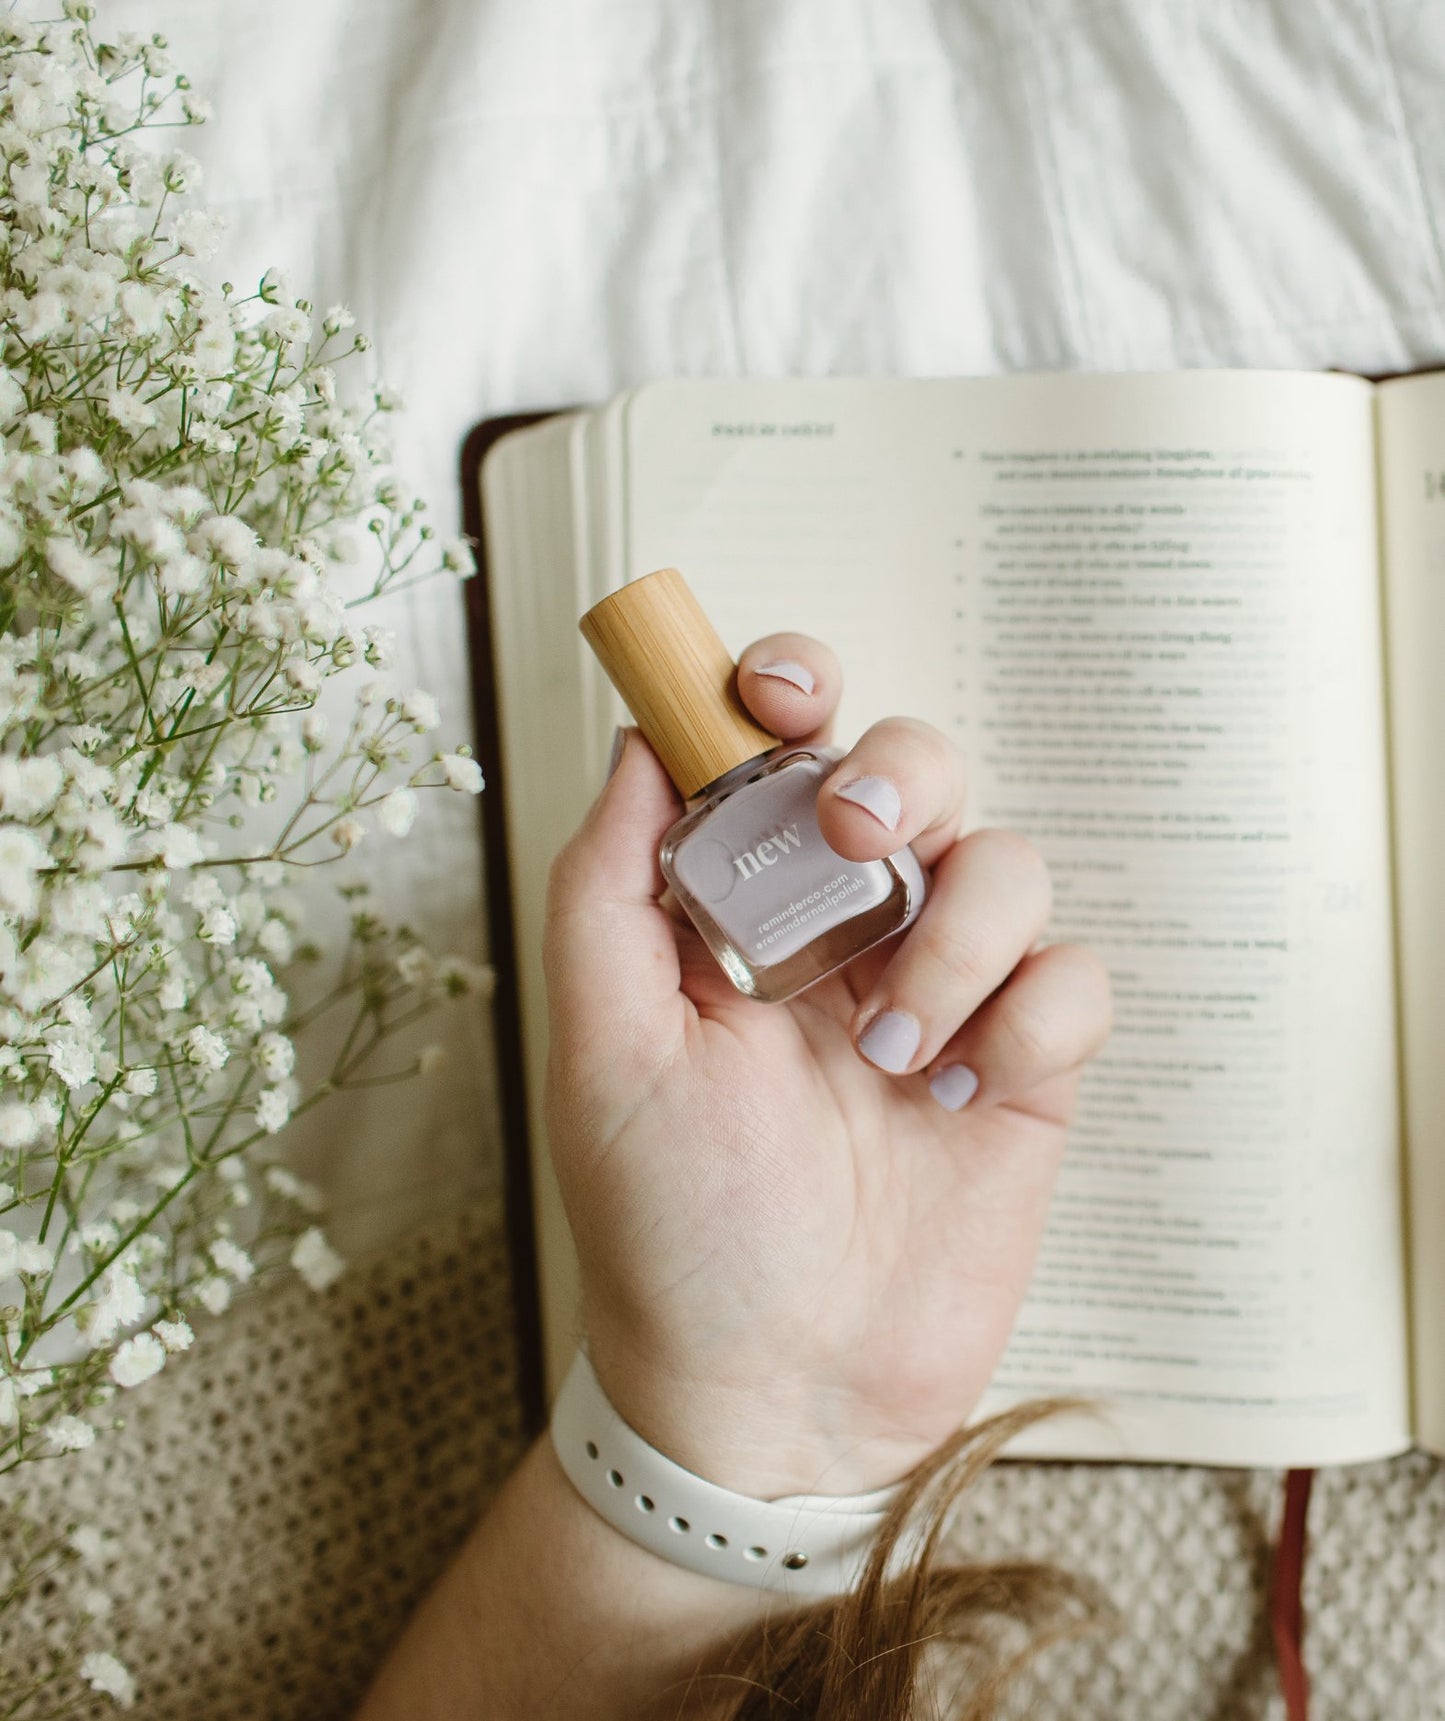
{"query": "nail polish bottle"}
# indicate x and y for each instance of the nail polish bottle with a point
(775, 904)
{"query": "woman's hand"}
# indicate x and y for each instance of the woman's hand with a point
(805, 1229)
(798, 1268)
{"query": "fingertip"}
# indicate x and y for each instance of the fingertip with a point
(954, 1086)
(791, 683)
(861, 814)
(901, 784)
(627, 820)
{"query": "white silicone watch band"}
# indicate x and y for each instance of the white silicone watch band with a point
(805, 1545)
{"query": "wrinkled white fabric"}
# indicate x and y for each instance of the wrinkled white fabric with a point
(535, 202)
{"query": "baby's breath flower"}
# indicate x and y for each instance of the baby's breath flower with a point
(217, 925)
(19, 1126)
(129, 411)
(462, 772)
(33, 1257)
(214, 1294)
(194, 501)
(119, 1303)
(273, 1109)
(287, 1184)
(275, 1056)
(275, 288)
(103, 1672)
(175, 1335)
(70, 1434)
(232, 1260)
(206, 1048)
(416, 967)
(72, 1057)
(420, 710)
(397, 813)
(315, 1260)
(137, 1360)
(180, 847)
(459, 978)
(456, 556)
(22, 855)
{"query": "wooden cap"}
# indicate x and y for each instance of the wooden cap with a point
(676, 677)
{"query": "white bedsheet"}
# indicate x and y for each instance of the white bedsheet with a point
(534, 202)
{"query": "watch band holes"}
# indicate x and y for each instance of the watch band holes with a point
(681, 1525)
(717, 1541)
(755, 1553)
(795, 1561)
(615, 1478)
(591, 1448)
(643, 1504)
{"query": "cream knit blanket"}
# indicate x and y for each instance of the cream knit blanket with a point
(284, 1495)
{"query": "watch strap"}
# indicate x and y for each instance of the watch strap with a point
(803, 1545)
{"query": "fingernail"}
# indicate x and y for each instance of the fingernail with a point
(619, 741)
(875, 795)
(953, 1086)
(787, 670)
(890, 1040)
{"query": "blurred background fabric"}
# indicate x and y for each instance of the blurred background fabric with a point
(280, 1500)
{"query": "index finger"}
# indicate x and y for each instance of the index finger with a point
(792, 683)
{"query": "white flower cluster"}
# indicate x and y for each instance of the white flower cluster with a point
(191, 515)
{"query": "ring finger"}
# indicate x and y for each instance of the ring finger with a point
(1053, 1014)
(989, 903)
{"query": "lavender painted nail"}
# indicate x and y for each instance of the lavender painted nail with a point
(890, 1040)
(786, 670)
(875, 795)
(953, 1086)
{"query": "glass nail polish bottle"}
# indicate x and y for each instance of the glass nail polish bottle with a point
(776, 905)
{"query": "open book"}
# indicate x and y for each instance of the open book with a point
(1186, 629)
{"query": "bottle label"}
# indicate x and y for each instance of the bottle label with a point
(761, 867)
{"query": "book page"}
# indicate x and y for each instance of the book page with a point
(1412, 492)
(1147, 609)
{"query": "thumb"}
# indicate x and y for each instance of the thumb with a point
(608, 948)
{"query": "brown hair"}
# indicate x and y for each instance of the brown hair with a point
(863, 1656)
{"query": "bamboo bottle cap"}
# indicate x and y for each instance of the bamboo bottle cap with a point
(676, 677)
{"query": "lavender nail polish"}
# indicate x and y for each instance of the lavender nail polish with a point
(890, 1040)
(786, 670)
(953, 1086)
(777, 906)
(875, 795)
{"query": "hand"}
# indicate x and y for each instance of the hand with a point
(799, 1269)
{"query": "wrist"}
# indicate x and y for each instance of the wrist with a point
(810, 1545)
(767, 1434)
